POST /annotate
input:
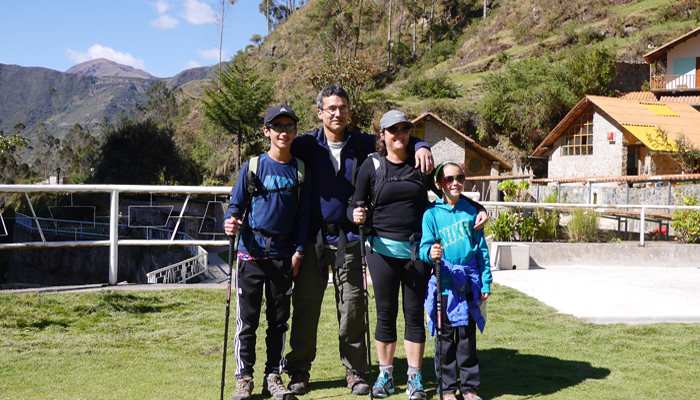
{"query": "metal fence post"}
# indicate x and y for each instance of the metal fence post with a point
(641, 228)
(114, 237)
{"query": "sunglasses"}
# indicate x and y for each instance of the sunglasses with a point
(291, 128)
(395, 129)
(449, 179)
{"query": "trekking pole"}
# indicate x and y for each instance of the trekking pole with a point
(438, 279)
(363, 260)
(232, 248)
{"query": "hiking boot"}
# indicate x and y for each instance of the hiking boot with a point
(244, 388)
(414, 388)
(299, 382)
(356, 384)
(273, 386)
(471, 396)
(449, 396)
(384, 386)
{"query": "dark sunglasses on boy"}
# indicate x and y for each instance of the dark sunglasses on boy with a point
(283, 128)
(395, 129)
(449, 179)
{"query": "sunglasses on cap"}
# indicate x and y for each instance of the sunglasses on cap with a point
(395, 129)
(283, 127)
(449, 179)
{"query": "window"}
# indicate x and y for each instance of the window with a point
(419, 132)
(578, 141)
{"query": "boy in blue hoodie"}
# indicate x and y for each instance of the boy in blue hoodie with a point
(466, 280)
(270, 204)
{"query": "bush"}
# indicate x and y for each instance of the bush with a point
(503, 227)
(686, 223)
(431, 88)
(441, 52)
(514, 192)
(583, 226)
(547, 224)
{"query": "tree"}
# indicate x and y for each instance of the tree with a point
(238, 106)
(80, 151)
(256, 39)
(12, 142)
(161, 105)
(48, 146)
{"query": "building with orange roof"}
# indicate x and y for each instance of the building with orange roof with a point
(675, 65)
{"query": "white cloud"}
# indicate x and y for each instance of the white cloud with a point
(198, 13)
(212, 54)
(97, 51)
(191, 64)
(165, 21)
(161, 6)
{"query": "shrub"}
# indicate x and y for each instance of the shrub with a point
(686, 223)
(441, 52)
(527, 228)
(431, 88)
(516, 192)
(583, 226)
(547, 224)
(503, 227)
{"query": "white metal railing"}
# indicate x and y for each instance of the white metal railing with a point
(114, 235)
(602, 208)
(178, 272)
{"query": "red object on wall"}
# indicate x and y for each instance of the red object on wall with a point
(611, 136)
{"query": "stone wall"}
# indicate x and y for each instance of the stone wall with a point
(652, 194)
(630, 77)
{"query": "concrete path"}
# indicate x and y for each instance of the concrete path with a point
(608, 295)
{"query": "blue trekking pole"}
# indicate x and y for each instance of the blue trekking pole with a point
(363, 259)
(438, 281)
(232, 248)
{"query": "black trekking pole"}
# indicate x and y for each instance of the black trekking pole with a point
(232, 248)
(363, 260)
(438, 281)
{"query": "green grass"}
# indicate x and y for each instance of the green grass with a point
(167, 344)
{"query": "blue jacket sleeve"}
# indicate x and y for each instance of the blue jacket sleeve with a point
(303, 215)
(239, 195)
(483, 260)
(428, 238)
(417, 143)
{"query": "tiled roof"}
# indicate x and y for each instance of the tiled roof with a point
(633, 113)
(650, 97)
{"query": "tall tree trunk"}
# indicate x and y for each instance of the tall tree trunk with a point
(359, 28)
(432, 14)
(485, 2)
(415, 22)
(267, 14)
(388, 42)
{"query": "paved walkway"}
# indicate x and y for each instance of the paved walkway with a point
(608, 295)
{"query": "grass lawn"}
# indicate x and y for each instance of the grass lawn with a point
(167, 345)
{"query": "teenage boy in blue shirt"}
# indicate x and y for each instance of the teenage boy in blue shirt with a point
(270, 206)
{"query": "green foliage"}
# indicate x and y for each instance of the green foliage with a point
(527, 228)
(140, 153)
(681, 150)
(355, 76)
(529, 97)
(583, 226)
(503, 227)
(516, 192)
(79, 153)
(236, 101)
(554, 196)
(686, 223)
(11, 143)
(547, 224)
(438, 87)
(440, 52)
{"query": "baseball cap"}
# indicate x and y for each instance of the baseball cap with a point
(394, 117)
(277, 111)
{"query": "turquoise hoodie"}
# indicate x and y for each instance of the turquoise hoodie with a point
(461, 243)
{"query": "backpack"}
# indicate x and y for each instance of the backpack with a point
(380, 178)
(255, 187)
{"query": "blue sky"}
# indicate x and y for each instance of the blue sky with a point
(162, 37)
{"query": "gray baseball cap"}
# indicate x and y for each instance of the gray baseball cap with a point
(394, 117)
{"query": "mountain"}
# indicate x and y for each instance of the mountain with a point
(103, 67)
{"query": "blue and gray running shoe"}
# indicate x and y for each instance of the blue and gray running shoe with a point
(414, 388)
(384, 386)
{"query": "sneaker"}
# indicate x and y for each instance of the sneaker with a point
(449, 396)
(244, 388)
(273, 386)
(356, 384)
(471, 396)
(384, 386)
(299, 382)
(414, 388)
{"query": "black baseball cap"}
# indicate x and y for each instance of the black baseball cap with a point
(280, 110)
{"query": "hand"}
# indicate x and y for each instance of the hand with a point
(296, 263)
(483, 297)
(231, 226)
(359, 215)
(424, 160)
(435, 252)
(481, 219)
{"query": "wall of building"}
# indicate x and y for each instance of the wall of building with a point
(608, 157)
(444, 143)
(690, 48)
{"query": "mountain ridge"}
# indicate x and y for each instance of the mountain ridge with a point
(102, 67)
